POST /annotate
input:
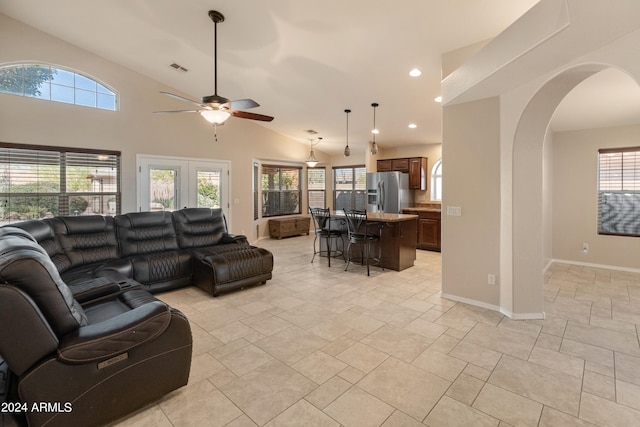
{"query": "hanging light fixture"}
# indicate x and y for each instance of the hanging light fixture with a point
(374, 147)
(312, 161)
(347, 150)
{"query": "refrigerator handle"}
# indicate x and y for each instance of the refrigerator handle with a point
(382, 196)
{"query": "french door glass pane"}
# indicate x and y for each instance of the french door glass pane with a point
(163, 189)
(208, 189)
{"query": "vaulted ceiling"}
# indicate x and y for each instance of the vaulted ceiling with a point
(303, 61)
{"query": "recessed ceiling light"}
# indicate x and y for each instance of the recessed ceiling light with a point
(413, 125)
(438, 99)
(415, 72)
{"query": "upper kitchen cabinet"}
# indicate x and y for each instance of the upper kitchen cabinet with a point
(415, 166)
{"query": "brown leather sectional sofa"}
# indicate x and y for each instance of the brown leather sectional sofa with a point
(80, 330)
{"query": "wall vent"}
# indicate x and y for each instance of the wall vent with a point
(178, 67)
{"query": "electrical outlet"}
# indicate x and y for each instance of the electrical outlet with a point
(585, 248)
(491, 279)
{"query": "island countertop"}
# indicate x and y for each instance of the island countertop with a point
(386, 217)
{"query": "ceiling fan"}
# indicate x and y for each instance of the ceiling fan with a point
(215, 108)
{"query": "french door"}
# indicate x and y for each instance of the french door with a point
(169, 183)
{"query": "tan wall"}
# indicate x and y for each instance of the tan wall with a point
(133, 130)
(471, 181)
(575, 198)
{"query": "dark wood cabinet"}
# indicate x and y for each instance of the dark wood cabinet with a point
(384, 166)
(416, 167)
(418, 173)
(400, 165)
(429, 226)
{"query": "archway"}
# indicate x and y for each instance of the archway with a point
(528, 193)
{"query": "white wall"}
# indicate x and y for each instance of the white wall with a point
(133, 130)
(575, 198)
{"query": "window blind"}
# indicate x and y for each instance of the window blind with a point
(619, 191)
(41, 181)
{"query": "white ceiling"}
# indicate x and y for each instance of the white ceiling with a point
(304, 61)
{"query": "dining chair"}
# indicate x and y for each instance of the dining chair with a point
(363, 233)
(322, 229)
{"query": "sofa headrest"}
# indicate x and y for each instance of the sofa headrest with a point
(145, 232)
(86, 239)
(198, 227)
(25, 265)
(42, 231)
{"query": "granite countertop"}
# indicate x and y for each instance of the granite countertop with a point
(422, 209)
(387, 217)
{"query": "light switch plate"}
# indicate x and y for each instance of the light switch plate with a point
(454, 211)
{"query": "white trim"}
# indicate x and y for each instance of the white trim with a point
(524, 316)
(470, 301)
(514, 316)
(593, 265)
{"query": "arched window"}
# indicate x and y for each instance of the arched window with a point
(43, 81)
(436, 181)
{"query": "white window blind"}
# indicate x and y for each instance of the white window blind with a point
(281, 191)
(619, 191)
(316, 187)
(39, 182)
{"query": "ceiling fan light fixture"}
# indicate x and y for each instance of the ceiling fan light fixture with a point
(216, 117)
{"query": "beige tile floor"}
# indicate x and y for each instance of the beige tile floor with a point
(318, 346)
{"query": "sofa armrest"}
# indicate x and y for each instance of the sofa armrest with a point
(115, 336)
(233, 238)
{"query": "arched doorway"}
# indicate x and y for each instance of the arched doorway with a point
(529, 198)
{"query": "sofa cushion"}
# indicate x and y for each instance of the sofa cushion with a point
(25, 265)
(42, 231)
(199, 227)
(86, 239)
(145, 232)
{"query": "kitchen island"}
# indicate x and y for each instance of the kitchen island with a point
(398, 238)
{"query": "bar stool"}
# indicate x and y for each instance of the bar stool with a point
(322, 229)
(361, 234)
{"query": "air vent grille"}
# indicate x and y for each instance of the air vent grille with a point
(178, 67)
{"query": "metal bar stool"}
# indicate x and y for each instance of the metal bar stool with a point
(322, 229)
(361, 234)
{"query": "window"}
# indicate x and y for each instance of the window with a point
(39, 182)
(349, 187)
(256, 189)
(436, 181)
(316, 187)
(56, 84)
(281, 192)
(619, 191)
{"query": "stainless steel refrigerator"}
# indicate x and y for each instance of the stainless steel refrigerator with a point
(388, 192)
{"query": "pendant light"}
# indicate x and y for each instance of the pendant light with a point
(374, 147)
(347, 150)
(312, 161)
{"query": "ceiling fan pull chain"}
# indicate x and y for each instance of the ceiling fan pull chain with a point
(215, 133)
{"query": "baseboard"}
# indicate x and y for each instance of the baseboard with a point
(509, 314)
(592, 265)
(470, 301)
(524, 316)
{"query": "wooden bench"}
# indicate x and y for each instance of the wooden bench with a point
(290, 226)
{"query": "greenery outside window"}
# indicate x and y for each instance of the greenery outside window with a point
(56, 84)
(349, 187)
(40, 181)
(316, 187)
(281, 191)
(619, 191)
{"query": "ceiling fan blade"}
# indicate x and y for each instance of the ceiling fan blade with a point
(252, 116)
(243, 104)
(175, 111)
(182, 98)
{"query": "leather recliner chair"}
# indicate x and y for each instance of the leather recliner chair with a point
(87, 364)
